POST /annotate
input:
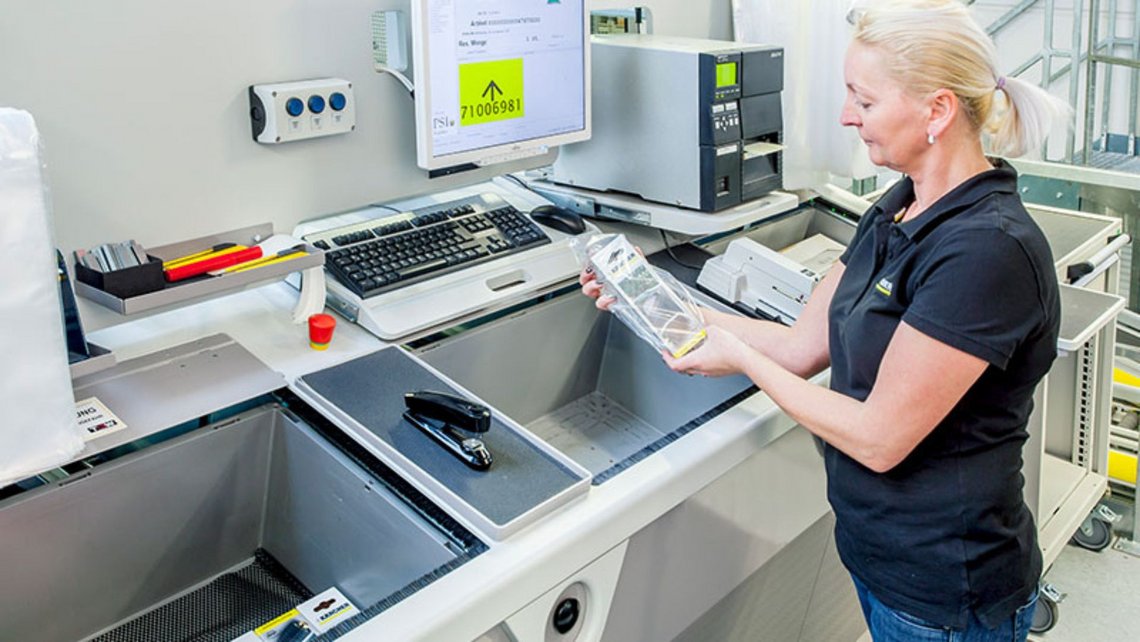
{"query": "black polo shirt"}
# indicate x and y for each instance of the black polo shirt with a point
(947, 530)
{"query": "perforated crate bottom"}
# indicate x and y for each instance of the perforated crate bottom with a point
(221, 610)
(595, 431)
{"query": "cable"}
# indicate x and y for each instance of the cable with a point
(401, 77)
(518, 181)
(669, 249)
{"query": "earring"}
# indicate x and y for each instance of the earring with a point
(930, 138)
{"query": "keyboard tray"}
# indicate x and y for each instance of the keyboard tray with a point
(380, 255)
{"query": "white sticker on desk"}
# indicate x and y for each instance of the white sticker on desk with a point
(327, 610)
(96, 419)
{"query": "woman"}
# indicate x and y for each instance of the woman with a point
(938, 323)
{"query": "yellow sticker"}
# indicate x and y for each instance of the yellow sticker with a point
(690, 344)
(490, 91)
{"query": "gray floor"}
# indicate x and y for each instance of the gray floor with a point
(1102, 594)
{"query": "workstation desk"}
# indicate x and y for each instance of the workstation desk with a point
(717, 530)
(647, 553)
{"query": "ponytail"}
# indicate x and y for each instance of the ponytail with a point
(1025, 119)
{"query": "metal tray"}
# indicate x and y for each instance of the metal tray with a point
(175, 295)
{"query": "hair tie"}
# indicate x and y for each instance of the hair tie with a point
(1001, 83)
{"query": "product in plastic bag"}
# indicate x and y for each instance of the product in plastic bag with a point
(39, 430)
(650, 301)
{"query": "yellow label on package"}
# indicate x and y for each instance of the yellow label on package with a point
(690, 344)
(490, 91)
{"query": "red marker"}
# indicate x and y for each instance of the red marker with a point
(218, 262)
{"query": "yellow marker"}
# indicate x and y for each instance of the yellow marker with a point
(490, 91)
(217, 250)
(264, 261)
(277, 621)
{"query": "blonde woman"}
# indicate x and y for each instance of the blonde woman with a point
(938, 323)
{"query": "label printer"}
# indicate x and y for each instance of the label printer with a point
(681, 121)
(767, 283)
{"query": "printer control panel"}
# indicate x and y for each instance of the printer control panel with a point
(726, 122)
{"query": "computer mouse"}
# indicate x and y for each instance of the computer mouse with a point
(558, 218)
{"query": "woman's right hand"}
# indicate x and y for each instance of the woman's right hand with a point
(593, 289)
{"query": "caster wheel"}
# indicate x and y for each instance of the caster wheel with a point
(1094, 535)
(1045, 615)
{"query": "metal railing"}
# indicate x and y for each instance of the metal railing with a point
(1085, 53)
(1092, 59)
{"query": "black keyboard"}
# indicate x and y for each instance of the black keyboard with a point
(382, 255)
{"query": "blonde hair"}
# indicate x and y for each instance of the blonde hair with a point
(933, 44)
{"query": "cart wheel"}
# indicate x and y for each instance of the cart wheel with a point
(1045, 615)
(1094, 535)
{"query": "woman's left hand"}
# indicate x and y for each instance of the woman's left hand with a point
(721, 354)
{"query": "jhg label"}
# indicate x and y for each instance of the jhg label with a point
(490, 91)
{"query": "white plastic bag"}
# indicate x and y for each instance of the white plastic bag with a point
(39, 430)
(650, 301)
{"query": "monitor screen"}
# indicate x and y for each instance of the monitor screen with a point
(498, 79)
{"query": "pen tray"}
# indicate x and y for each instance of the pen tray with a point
(113, 290)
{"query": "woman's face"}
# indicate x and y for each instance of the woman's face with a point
(892, 123)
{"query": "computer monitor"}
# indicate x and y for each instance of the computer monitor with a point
(498, 80)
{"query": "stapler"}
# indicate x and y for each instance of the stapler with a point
(450, 420)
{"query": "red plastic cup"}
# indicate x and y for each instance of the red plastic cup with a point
(321, 328)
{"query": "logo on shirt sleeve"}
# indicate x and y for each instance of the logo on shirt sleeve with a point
(884, 286)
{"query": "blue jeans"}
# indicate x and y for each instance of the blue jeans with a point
(890, 625)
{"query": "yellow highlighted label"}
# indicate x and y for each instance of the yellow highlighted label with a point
(490, 91)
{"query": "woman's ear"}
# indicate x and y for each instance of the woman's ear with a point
(944, 107)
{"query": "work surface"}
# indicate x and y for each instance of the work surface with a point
(485, 591)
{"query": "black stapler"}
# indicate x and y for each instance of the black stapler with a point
(449, 420)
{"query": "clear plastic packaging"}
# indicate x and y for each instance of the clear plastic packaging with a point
(650, 301)
(39, 430)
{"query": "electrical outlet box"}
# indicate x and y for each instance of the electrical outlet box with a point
(389, 41)
(287, 111)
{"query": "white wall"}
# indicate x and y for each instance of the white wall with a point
(695, 18)
(142, 108)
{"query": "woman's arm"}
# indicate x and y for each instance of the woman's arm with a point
(920, 380)
(803, 348)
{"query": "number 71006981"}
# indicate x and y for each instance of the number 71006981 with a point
(503, 108)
